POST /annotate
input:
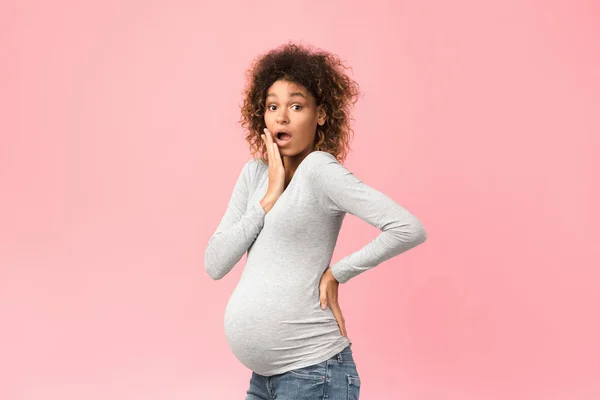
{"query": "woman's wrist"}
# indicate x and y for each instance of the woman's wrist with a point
(267, 203)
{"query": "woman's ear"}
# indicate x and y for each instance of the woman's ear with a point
(321, 115)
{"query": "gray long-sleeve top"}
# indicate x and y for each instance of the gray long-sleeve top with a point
(273, 320)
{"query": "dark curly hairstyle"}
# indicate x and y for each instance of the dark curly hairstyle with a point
(321, 73)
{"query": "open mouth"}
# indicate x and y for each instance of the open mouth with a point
(283, 136)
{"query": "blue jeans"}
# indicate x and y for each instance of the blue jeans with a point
(333, 379)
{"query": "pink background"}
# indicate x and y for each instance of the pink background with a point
(120, 147)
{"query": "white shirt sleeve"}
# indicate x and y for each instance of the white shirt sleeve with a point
(238, 228)
(338, 191)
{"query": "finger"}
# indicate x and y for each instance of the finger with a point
(343, 329)
(323, 294)
(269, 145)
(266, 136)
(337, 313)
(275, 149)
(269, 136)
(276, 155)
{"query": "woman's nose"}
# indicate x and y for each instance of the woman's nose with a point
(281, 118)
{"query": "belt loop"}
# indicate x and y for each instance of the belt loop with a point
(339, 357)
(270, 387)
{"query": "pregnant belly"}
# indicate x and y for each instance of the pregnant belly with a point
(267, 331)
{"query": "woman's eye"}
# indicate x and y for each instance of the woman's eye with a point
(272, 107)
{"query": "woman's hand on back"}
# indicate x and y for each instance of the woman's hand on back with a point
(328, 296)
(276, 172)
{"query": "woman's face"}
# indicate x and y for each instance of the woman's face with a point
(291, 115)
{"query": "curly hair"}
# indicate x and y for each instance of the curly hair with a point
(322, 74)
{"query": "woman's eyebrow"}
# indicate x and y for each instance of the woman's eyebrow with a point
(291, 94)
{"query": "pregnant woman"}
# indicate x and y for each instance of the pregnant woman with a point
(283, 320)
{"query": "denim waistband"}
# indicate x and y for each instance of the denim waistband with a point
(344, 355)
